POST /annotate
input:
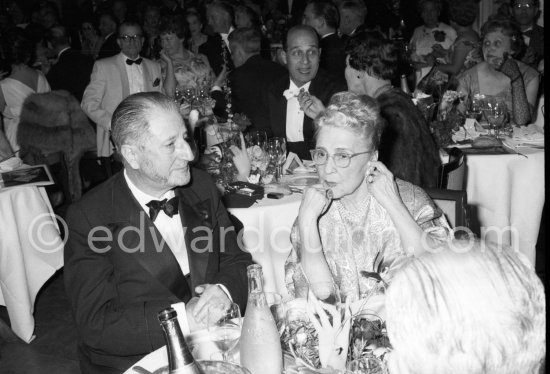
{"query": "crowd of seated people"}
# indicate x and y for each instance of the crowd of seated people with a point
(317, 73)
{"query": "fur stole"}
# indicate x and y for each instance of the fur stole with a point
(407, 147)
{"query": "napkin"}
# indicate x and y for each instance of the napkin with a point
(530, 134)
(469, 131)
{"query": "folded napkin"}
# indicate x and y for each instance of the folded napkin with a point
(531, 134)
(471, 130)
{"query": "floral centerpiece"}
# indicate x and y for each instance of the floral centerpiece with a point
(449, 118)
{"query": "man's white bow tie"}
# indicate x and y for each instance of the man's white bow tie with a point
(290, 93)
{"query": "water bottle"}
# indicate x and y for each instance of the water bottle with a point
(180, 360)
(260, 346)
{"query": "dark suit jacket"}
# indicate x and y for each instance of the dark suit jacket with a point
(323, 86)
(212, 49)
(117, 290)
(247, 83)
(296, 12)
(535, 50)
(333, 56)
(71, 72)
(109, 47)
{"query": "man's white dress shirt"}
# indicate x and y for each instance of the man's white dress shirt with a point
(294, 114)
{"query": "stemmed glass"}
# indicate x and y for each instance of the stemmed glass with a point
(496, 114)
(256, 137)
(474, 109)
(224, 326)
(276, 148)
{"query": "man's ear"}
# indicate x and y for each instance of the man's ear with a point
(130, 154)
(119, 43)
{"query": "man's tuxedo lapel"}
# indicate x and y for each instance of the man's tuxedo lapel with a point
(278, 107)
(197, 226)
(145, 241)
(123, 76)
(147, 77)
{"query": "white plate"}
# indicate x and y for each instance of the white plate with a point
(303, 170)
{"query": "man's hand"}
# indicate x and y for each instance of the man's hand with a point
(241, 160)
(210, 294)
(311, 105)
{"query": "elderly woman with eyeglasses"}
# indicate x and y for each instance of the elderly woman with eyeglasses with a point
(359, 223)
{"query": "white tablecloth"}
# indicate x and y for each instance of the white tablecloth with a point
(266, 236)
(31, 251)
(508, 193)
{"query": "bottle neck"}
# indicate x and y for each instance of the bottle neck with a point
(178, 352)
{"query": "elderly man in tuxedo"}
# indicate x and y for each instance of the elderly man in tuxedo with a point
(526, 13)
(153, 235)
(291, 109)
(114, 78)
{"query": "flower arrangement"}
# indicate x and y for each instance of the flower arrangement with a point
(449, 118)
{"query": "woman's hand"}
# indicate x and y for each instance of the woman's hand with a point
(241, 160)
(311, 105)
(333, 338)
(382, 186)
(164, 57)
(314, 204)
(509, 67)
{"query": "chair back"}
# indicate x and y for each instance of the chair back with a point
(453, 203)
(451, 174)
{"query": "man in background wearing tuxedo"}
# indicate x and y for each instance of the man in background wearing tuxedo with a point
(290, 96)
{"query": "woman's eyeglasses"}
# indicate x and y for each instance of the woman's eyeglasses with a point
(341, 159)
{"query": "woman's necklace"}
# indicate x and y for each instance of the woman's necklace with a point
(354, 215)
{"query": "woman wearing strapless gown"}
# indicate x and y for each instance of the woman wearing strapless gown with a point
(21, 82)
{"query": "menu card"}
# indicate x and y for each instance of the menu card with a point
(38, 175)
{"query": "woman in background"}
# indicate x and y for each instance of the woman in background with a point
(482, 306)
(90, 40)
(182, 68)
(22, 81)
(465, 51)
(195, 25)
(500, 75)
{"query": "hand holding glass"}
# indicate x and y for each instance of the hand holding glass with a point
(224, 326)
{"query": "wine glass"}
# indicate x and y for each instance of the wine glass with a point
(256, 137)
(496, 115)
(224, 326)
(475, 107)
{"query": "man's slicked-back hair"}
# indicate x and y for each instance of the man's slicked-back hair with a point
(327, 10)
(130, 121)
(248, 38)
(298, 28)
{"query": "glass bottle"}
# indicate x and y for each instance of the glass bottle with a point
(180, 360)
(259, 345)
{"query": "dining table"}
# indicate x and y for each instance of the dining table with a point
(31, 251)
(505, 186)
(266, 236)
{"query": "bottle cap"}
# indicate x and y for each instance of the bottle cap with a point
(166, 314)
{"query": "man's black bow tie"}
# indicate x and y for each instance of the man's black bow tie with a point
(528, 33)
(169, 207)
(131, 62)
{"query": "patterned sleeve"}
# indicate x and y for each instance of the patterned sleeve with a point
(295, 279)
(424, 211)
